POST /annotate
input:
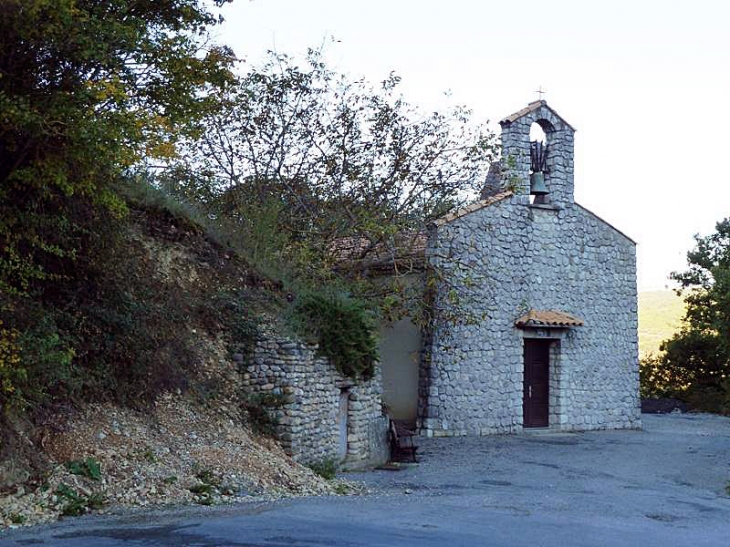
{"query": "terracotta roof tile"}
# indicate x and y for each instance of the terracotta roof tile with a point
(548, 318)
(405, 247)
(517, 115)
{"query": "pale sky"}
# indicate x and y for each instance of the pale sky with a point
(645, 82)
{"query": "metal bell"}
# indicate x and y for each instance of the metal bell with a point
(537, 184)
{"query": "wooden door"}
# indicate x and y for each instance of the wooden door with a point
(536, 395)
(342, 418)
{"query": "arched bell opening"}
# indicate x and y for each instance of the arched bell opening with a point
(537, 133)
(540, 131)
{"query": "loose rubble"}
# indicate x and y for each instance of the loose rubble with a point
(178, 453)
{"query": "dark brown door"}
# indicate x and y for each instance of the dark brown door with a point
(535, 406)
(342, 420)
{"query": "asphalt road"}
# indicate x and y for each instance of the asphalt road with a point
(662, 486)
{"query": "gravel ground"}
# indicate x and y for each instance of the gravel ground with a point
(674, 470)
(661, 486)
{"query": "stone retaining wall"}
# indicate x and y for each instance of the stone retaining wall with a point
(309, 421)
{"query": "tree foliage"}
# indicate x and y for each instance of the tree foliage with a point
(87, 88)
(697, 358)
(328, 156)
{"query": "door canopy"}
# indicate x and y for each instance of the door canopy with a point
(548, 318)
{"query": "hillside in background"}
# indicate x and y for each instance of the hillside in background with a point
(660, 315)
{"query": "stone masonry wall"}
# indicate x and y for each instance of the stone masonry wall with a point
(309, 426)
(501, 261)
(559, 177)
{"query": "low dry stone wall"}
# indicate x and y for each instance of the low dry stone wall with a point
(311, 422)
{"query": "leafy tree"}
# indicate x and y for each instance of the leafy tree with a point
(697, 358)
(325, 156)
(87, 88)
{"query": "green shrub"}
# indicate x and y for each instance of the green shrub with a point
(36, 359)
(89, 468)
(12, 374)
(207, 476)
(709, 398)
(234, 309)
(660, 377)
(202, 489)
(327, 469)
(342, 489)
(78, 504)
(344, 328)
(656, 380)
(17, 518)
(209, 485)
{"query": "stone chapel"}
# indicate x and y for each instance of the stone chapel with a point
(534, 305)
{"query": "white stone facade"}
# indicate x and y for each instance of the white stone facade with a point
(496, 261)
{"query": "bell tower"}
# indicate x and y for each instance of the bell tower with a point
(535, 167)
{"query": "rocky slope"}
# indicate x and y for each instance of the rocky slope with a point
(179, 452)
(194, 445)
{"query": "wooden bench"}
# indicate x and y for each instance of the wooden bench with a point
(402, 445)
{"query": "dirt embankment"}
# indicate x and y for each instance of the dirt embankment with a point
(177, 453)
(190, 445)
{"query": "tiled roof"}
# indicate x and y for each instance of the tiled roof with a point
(548, 318)
(517, 115)
(402, 248)
(476, 206)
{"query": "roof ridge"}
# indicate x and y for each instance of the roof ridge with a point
(476, 206)
(531, 107)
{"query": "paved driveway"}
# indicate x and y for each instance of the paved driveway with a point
(661, 486)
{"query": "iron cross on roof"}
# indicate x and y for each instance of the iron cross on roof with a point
(540, 92)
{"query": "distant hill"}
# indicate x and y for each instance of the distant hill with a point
(660, 315)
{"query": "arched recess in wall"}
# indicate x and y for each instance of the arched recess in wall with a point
(540, 132)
